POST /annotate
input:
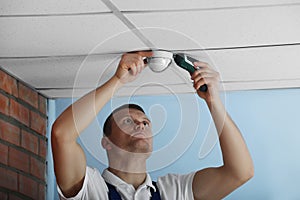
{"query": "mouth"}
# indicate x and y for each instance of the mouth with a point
(139, 135)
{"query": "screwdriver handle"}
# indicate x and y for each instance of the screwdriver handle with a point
(187, 63)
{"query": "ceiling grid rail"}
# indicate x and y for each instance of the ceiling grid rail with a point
(174, 50)
(147, 11)
(128, 23)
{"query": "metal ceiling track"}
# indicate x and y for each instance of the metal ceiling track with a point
(173, 50)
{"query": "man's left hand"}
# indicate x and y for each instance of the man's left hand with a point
(204, 74)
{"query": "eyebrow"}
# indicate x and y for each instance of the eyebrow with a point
(146, 118)
(127, 115)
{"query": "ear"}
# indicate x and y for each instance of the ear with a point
(106, 143)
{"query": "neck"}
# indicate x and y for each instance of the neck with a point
(131, 162)
(130, 167)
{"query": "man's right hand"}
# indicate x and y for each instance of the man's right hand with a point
(131, 65)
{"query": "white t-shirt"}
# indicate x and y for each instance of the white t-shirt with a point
(171, 187)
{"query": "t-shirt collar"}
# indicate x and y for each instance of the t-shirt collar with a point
(116, 181)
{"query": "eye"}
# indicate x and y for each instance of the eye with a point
(146, 124)
(127, 121)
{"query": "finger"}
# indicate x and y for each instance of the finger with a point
(133, 69)
(201, 64)
(140, 65)
(139, 68)
(203, 75)
(210, 76)
(145, 53)
(140, 61)
(208, 81)
(198, 84)
(202, 71)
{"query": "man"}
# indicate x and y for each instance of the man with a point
(128, 142)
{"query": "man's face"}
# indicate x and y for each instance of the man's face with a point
(131, 131)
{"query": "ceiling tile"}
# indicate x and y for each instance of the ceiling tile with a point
(38, 7)
(220, 28)
(137, 5)
(262, 85)
(256, 68)
(240, 69)
(65, 35)
(63, 93)
(256, 64)
(126, 91)
(60, 72)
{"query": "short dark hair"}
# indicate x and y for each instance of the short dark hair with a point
(107, 123)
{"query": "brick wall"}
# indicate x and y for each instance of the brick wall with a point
(23, 142)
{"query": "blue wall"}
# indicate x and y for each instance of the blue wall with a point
(268, 120)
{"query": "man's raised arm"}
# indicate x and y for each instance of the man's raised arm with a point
(216, 183)
(69, 158)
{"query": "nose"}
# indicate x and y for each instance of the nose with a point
(139, 125)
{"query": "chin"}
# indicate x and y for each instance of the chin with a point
(145, 150)
(142, 144)
(142, 147)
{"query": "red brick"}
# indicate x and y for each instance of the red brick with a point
(42, 104)
(29, 95)
(37, 168)
(30, 142)
(8, 179)
(8, 83)
(13, 197)
(3, 154)
(38, 123)
(19, 112)
(43, 148)
(9, 132)
(18, 159)
(4, 104)
(28, 187)
(42, 193)
(3, 196)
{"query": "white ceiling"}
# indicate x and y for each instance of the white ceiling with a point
(66, 48)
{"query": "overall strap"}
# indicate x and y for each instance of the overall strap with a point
(155, 195)
(114, 195)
